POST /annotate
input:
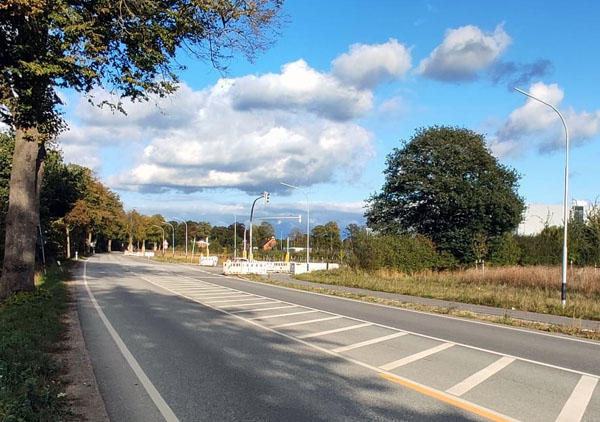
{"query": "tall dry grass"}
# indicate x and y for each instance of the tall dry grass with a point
(534, 289)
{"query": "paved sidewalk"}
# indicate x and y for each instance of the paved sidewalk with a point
(479, 309)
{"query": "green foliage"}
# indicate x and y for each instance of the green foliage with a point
(444, 184)
(402, 252)
(30, 326)
(125, 46)
(505, 251)
(542, 249)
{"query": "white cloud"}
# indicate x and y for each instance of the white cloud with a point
(84, 155)
(464, 52)
(300, 88)
(366, 66)
(536, 124)
(217, 145)
(246, 133)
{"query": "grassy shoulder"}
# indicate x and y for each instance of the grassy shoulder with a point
(30, 331)
(533, 289)
(506, 320)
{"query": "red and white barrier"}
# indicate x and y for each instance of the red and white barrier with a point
(208, 261)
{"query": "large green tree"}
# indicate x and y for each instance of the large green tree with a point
(124, 46)
(445, 184)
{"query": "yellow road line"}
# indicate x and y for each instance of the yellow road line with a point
(447, 399)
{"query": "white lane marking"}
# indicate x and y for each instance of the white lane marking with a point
(159, 402)
(346, 358)
(199, 289)
(337, 330)
(369, 342)
(212, 292)
(241, 305)
(468, 346)
(224, 296)
(412, 358)
(263, 309)
(477, 378)
(215, 294)
(432, 314)
(247, 299)
(284, 315)
(310, 321)
(575, 406)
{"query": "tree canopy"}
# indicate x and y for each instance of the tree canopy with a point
(446, 185)
(126, 47)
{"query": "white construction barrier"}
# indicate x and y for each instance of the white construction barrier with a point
(300, 267)
(144, 254)
(237, 267)
(278, 267)
(264, 267)
(208, 261)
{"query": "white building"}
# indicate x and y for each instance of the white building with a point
(537, 216)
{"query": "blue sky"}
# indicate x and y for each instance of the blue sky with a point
(345, 82)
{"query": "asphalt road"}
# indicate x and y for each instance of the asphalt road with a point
(172, 342)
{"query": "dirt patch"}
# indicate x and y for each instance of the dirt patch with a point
(83, 396)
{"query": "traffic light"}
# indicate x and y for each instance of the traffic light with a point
(266, 197)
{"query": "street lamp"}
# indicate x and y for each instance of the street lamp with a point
(186, 235)
(265, 198)
(163, 242)
(307, 223)
(173, 234)
(563, 295)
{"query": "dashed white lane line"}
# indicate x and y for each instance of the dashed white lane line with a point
(369, 342)
(574, 408)
(310, 321)
(477, 378)
(284, 315)
(155, 396)
(337, 330)
(264, 309)
(413, 358)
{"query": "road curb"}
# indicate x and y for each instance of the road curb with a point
(85, 399)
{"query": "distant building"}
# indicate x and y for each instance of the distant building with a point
(537, 216)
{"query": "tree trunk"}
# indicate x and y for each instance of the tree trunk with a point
(68, 242)
(109, 245)
(143, 245)
(23, 214)
(88, 243)
(130, 245)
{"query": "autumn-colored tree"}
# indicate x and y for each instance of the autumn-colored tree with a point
(124, 46)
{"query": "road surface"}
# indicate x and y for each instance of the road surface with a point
(174, 342)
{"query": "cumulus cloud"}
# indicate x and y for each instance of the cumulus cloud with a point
(463, 53)
(246, 133)
(217, 145)
(535, 124)
(300, 88)
(366, 66)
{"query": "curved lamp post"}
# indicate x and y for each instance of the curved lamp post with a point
(307, 223)
(186, 233)
(563, 295)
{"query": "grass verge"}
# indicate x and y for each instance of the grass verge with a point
(533, 289)
(30, 331)
(506, 320)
